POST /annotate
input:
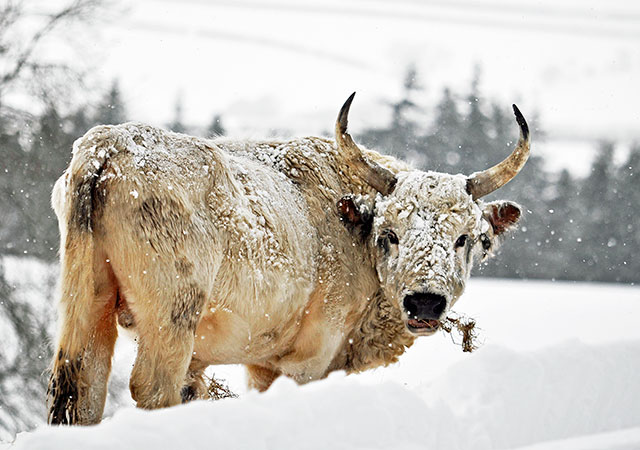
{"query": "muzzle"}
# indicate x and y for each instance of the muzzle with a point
(424, 306)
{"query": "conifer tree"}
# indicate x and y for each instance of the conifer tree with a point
(111, 110)
(563, 229)
(216, 127)
(442, 144)
(80, 122)
(401, 137)
(624, 242)
(475, 151)
(596, 196)
(11, 175)
(177, 124)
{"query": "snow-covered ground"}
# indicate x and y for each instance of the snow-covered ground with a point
(558, 370)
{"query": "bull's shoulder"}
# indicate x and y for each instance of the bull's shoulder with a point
(312, 164)
(312, 161)
(391, 163)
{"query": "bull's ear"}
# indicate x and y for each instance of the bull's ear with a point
(502, 215)
(355, 213)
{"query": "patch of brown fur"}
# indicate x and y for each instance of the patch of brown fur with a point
(124, 315)
(186, 307)
(162, 224)
(184, 267)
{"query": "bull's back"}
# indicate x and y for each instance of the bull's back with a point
(175, 214)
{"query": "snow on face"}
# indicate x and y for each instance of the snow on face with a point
(425, 215)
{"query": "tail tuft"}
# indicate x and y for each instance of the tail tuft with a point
(62, 392)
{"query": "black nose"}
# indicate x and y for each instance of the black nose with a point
(424, 305)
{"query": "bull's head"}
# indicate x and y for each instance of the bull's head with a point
(426, 229)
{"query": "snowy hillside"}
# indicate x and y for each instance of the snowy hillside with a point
(558, 370)
(498, 401)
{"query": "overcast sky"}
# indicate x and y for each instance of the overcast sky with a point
(289, 64)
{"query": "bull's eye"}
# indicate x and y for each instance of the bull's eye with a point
(486, 242)
(461, 241)
(387, 237)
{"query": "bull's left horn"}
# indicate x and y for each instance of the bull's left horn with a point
(483, 183)
(379, 178)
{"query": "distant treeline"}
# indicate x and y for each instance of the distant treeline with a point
(573, 228)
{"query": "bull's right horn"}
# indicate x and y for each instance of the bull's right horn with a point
(483, 183)
(379, 178)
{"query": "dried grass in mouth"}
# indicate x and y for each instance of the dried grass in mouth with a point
(218, 389)
(465, 327)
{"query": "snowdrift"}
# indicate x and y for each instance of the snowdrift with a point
(558, 370)
(497, 399)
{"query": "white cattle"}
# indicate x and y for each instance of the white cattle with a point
(295, 257)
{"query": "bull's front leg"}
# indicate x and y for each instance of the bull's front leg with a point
(315, 346)
(195, 386)
(260, 378)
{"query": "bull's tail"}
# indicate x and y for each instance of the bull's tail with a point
(88, 291)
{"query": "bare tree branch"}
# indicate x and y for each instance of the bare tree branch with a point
(9, 14)
(77, 9)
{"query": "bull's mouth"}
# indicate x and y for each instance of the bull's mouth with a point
(423, 326)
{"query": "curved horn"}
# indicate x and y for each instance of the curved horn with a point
(482, 183)
(381, 179)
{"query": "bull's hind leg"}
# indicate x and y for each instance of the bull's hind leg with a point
(166, 329)
(161, 365)
(78, 384)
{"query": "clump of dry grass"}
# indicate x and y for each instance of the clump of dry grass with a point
(218, 389)
(465, 327)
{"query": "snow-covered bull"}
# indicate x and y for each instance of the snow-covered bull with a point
(292, 257)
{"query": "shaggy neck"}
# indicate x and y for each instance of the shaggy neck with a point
(378, 339)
